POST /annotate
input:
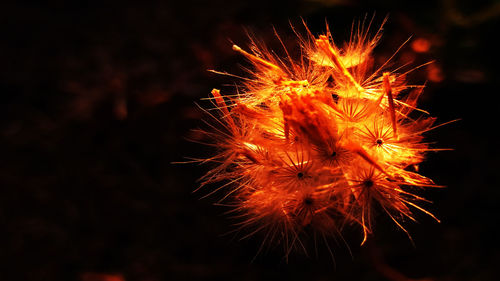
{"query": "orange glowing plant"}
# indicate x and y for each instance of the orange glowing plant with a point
(319, 143)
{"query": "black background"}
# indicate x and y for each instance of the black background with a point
(97, 99)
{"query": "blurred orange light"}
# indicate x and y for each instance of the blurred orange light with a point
(421, 45)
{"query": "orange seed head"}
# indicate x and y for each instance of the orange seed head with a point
(299, 152)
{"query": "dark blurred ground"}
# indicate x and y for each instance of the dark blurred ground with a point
(96, 99)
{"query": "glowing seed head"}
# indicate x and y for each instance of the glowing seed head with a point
(316, 141)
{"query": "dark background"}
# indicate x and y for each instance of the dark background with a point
(97, 98)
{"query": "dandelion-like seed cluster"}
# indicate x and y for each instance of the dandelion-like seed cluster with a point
(320, 142)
